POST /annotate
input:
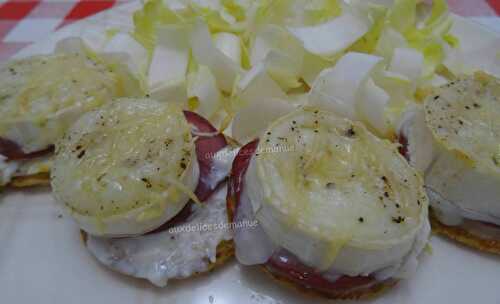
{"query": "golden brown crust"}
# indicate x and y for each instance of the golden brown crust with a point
(464, 237)
(224, 252)
(364, 293)
(34, 180)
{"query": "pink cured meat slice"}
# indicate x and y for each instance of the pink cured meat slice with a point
(206, 147)
(13, 151)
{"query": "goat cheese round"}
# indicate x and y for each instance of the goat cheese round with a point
(126, 168)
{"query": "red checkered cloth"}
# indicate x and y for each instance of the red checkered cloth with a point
(23, 22)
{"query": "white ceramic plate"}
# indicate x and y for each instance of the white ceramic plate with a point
(42, 259)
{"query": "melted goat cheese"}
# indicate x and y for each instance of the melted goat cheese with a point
(175, 253)
(325, 183)
(41, 96)
(126, 168)
(464, 117)
(255, 247)
(460, 127)
(221, 166)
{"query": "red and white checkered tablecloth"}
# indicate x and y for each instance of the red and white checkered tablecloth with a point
(23, 22)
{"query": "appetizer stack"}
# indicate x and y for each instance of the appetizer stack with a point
(329, 126)
(41, 97)
(460, 126)
(129, 171)
(343, 214)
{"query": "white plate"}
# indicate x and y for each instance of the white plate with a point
(42, 259)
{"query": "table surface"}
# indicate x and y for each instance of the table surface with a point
(23, 22)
